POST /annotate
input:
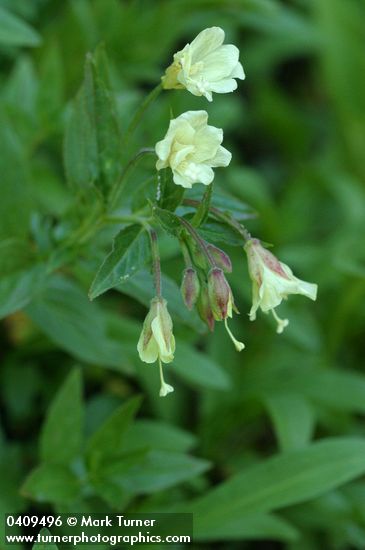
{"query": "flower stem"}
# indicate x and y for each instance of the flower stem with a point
(200, 242)
(240, 228)
(140, 112)
(156, 261)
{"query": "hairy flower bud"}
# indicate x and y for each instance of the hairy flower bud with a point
(190, 287)
(220, 257)
(204, 309)
(221, 301)
(272, 281)
(198, 257)
(220, 294)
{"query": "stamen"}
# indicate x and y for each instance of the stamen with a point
(238, 345)
(282, 323)
(165, 388)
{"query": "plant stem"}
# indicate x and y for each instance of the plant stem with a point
(156, 261)
(186, 254)
(200, 242)
(140, 112)
(241, 229)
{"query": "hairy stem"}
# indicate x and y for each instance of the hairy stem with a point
(200, 242)
(156, 261)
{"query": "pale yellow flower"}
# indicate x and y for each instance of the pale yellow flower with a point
(191, 149)
(205, 66)
(272, 281)
(157, 341)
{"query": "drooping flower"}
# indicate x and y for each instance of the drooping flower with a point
(272, 281)
(190, 287)
(221, 301)
(191, 148)
(157, 341)
(205, 66)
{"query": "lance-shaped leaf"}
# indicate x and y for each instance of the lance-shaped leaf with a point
(52, 483)
(64, 422)
(288, 478)
(92, 139)
(130, 252)
(16, 32)
(108, 440)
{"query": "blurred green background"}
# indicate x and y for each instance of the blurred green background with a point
(293, 403)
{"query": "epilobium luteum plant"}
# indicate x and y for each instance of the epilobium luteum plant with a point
(187, 155)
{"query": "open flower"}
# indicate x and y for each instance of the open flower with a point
(191, 149)
(157, 341)
(205, 66)
(272, 281)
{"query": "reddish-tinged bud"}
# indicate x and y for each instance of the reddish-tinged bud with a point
(190, 287)
(220, 257)
(198, 256)
(204, 309)
(220, 294)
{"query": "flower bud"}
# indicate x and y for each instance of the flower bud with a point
(198, 256)
(220, 294)
(204, 309)
(190, 287)
(220, 257)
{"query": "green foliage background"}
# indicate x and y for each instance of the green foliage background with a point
(266, 447)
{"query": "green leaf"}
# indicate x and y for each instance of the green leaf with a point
(159, 470)
(63, 312)
(16, 198)
(331, 387)
(141, 288)
(92, 140)
(64, 423)
(224, 202)
(44, 546)
(168, 221)
(217, 232)
(283, 480)
(293, 419)
(109, 439)
(15, 32)
(199, 369)
(130, 252)
(17, 290)
(51, 483)
(170, 194)
(256, 526)
(158, 435)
